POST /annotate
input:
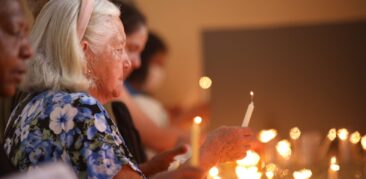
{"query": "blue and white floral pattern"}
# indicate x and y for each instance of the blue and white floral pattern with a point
(71, 127)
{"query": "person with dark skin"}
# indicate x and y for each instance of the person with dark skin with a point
(14, 51)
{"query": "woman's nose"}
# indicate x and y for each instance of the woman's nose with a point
(26, 50)
(127, 63)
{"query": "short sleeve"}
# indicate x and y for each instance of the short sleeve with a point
(71, 127)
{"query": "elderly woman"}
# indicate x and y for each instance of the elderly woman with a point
(14, 50)
(79, 65)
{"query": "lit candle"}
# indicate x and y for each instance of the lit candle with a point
(284, 150)
(333, 168)
(205, 83)
(355, 138)
(295, 134)
(266, 137)
(344, 146)
(332, 135)
(195, 140)
(249, 112)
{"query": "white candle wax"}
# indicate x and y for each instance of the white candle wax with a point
(248, 115)
(249, 112)
(195, 139)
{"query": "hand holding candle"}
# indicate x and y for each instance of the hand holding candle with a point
(249, 112)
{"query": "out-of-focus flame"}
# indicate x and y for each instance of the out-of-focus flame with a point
(205, 82)
(295, 133)
(270, 170)
(302, 174)
(333, 164)
(284, 149)
(332, 134)
(213, 172)
(343, 134)
(197, 120)
(355, 137)
(266, 136)
(252, 159)
(363, 142)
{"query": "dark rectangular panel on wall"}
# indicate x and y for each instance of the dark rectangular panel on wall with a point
(310, 76)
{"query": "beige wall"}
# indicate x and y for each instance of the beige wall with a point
(181, 23)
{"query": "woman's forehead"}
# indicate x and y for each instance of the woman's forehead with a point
(10, 11)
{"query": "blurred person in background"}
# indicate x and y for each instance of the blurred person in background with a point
(14, 51)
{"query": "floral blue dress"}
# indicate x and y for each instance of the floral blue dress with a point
(71, 127)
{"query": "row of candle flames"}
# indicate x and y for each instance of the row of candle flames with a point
(248, 167)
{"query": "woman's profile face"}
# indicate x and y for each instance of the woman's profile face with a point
(14, 46)
(134, 45)
(110, 62)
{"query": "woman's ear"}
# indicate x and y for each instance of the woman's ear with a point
(85, 46)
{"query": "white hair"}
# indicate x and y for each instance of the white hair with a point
(59, 62)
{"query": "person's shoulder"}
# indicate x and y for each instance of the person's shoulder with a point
(82, 101)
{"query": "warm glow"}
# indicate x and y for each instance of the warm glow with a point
(205, 82)
(269, 174)
(284, 149)
(333, 164)
(271, 167)
(247, 173)
(197, 120)
(302, 174)
(214, 171)
(295, 133)
(355, 137)
(266, 136)
(270, 170)
(252, 159)
(363, 142)
(343, 134)
(332, 134)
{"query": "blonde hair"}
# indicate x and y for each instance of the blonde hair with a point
(59, 62)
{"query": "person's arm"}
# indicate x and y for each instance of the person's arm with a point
(149, 131)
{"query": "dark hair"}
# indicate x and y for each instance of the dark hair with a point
(154, 45)
(132, 18)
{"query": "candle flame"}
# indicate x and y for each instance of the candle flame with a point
(205, 82)
(295, 133)
(213, 172)
(343, 134)
(251, 93)
(355, 137)
(197, 120)
(333, 164)
(271, 167)
(363, 142)
(266, 136)
(284, 149)
(332, 134)
(269, 174)
(251, 159)
(302, 174)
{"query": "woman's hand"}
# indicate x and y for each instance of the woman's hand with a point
(162, 161)
(225, 144)
(183, 172)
